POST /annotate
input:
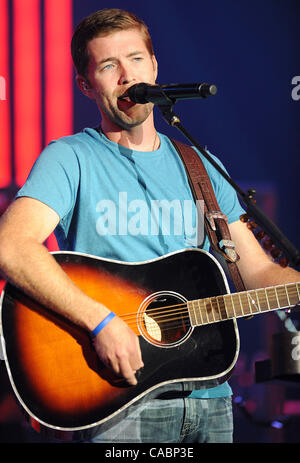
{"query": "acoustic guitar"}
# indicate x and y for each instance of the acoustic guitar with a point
(180, 307)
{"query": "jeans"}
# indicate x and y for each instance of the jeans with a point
(178, 420)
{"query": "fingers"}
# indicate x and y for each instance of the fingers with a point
(127, 364)
(127, 372)
(138, 361)
(119, 349)
(121, 366)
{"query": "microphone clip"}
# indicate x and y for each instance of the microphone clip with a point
(168, 113)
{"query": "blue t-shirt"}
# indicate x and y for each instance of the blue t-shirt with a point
(121, 204)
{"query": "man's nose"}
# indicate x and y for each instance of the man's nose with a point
(126, 74)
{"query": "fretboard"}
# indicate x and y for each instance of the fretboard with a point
(245, 303)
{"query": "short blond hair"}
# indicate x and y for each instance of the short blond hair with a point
(100, 23)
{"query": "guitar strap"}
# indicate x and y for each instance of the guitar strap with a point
(216, 223)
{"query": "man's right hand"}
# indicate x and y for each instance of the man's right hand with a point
(118, 348)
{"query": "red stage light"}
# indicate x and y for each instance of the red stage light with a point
(27, 85)
(58, 69)
(5, 144)
(58, 75)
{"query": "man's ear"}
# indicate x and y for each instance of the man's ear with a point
(155, 66)
(84, 86)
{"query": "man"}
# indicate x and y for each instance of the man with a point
(112, 51)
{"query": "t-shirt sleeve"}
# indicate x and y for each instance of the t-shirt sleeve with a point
(226, 195)
(54, 178)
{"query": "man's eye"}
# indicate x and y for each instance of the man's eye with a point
(108, 66)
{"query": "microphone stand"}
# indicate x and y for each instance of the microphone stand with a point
(278, 238)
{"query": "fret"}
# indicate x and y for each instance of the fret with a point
(253, 303)
(216, 311)
(197, 312)
(298, 291)
(209, 310)
(267, 299)
(293, 293)
(246, 308)
(201, 313)
(257, 298)
(272, 298)
(249, 300)
(227, 304)
(231, 298)
(262, 300)
(221, 308)
(219, 305)
(216, 307)
(287, 295)
(282, 297)
(192, 312)
(200, 309)
(241, 305)
(224, 306)
(213, 312)
(276, 295)
(204, 314)
(235, 298)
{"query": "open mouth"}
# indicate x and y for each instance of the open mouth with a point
(124, 97)
(124, 100)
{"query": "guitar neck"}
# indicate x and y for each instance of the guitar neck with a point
(245, 303)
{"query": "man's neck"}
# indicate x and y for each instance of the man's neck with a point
(140, 138)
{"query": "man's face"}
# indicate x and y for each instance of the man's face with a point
(118, 61)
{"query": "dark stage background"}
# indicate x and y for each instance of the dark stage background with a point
(250, 50)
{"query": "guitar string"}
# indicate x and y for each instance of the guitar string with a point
(212, 300)
(182, 319)
(246, 295)
(161, 315)
(210, 318)
(176, 322)
(183, 322)
(162, 310)
(175, 326)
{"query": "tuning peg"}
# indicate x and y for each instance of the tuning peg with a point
(267, 244)
(275, 252)
(283, 261)
(252, 225)
(259, 235)
(244, 218)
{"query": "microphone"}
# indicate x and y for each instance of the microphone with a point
(161, 94)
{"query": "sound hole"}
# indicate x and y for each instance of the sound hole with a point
(164, 319)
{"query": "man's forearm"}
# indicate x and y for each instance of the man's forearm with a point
(33, 269)
(271, 274)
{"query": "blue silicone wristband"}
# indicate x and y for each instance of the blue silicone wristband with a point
(101, 325)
